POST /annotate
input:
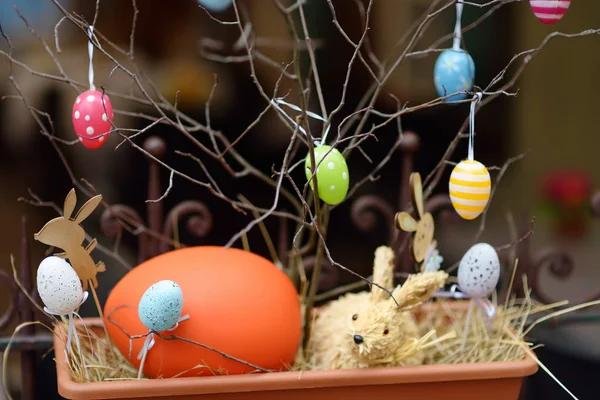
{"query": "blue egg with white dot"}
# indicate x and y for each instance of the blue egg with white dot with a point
(216, 5)
(161, 305)
(454, 71)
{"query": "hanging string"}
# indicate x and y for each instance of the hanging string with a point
(311, 114)
(91, 53)
(476, 99)
(457, 27)
(274, 103)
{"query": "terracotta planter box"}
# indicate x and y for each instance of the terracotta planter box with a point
(494, 381)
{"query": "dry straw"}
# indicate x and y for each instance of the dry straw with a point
(441, 326)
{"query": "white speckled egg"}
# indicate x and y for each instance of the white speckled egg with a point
(160, 306)
(58, 285)
(479, 271)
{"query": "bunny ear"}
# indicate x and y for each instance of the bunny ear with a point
(383, 272)
(406, 222)
(88, 208)
(70, 202)
(417, 191)
(419, 288)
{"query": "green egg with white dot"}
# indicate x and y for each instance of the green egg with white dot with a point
(332, 174)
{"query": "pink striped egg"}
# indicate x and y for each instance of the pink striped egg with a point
(470, 187)
(549, 11)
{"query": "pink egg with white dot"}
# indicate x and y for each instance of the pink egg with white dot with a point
(92, 113)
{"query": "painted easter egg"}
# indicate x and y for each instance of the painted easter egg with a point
(549, 11)
(332, 174)
(91, 120)
(161, 305)
(470, 187)
(238, 303)
(454, 71)
(59, 285)
(479, 271)
(216, 5)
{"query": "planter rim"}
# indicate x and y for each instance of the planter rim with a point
(279, 380)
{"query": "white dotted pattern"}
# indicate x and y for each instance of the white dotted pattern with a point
(77, 115)
(332, 174)
(89, 130)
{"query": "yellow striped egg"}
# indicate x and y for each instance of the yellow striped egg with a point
(470, 187)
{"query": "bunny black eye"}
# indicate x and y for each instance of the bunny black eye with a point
(354, 317)
(386, 331)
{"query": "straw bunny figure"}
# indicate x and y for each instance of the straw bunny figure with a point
(368, 329)
(66, 234)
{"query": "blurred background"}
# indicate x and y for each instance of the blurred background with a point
(553, 119)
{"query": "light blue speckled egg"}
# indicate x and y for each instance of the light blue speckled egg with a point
(454, 71)
(161, 305)
(216, 5)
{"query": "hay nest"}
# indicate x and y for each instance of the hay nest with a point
(98, 360)
(441, 323)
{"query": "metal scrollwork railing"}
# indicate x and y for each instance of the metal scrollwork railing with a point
(157, 236)
(364, 214)
(555, 261)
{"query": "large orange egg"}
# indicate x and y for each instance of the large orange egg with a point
(238, 302)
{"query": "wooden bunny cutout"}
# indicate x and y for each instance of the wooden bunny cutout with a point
(423, 243)
(66, 234)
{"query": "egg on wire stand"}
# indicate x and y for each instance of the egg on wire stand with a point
(159, 310)
(61, 292)
(479, 271)
(160, 306)
(59, 286)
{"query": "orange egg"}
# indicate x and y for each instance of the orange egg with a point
(238, 302)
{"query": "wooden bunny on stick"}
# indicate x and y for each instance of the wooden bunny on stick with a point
(66, 234)
(423, 247)
(370, 328)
